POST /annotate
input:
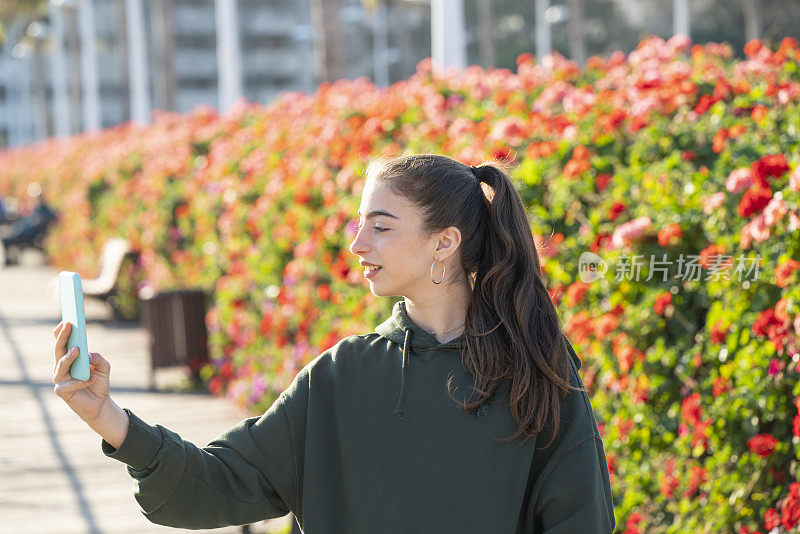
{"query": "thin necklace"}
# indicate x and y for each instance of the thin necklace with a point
(443, 331)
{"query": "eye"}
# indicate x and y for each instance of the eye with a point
(377, 228)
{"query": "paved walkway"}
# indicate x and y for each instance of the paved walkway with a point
(55, 478)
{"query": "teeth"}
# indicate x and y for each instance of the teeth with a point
(370, 268)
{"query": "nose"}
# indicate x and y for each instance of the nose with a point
(357, 246)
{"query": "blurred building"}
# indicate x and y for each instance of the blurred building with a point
(289, 45)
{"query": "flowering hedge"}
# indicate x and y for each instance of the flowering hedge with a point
(664, 189)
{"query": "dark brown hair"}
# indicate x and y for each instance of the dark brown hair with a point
(512, 329)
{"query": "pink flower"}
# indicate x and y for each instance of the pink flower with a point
(796, 324)
(794, 221)
(759, 228)
(794, 180)
(630, 231)
(773, 367)
(739, 180)
(679, 43)
(774, 211)
(713, 202)
(756, 229)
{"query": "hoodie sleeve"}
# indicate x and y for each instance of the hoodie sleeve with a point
(245, 475)
(575, 495)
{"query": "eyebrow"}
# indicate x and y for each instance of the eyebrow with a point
(375, 213)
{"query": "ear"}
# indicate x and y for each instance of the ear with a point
(449, 241)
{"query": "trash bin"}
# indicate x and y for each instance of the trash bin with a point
(176, 322)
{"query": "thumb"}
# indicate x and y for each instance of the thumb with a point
(66, 389)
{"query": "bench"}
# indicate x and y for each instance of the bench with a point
(104, 286)
(25, 232)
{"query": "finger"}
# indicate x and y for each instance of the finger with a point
(57, 328)
(62, 340)
(99, 363)
(64, 389)
(61, 373)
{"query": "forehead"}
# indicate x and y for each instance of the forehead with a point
(378, 199)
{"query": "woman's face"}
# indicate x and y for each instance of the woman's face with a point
(389, 235)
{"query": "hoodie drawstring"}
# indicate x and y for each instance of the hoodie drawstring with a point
(399, 410)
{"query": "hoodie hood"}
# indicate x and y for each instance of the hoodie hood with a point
(400, 329)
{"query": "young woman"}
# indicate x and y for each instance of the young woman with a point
(376, 435)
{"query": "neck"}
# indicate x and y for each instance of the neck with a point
(441, 311)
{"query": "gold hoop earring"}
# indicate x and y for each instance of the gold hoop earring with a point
(444, 270)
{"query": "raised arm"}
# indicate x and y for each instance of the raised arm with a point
(245, 475)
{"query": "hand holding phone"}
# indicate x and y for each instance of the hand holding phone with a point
(69, 285)
(81, 378)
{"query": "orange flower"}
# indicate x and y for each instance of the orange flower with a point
(661, 302)
(670, 235)
(784, 271)
(575, 292)
(759, 113)
(605, 325)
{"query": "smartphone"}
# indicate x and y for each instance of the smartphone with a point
(69, 285)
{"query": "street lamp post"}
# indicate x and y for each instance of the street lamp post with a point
(137, 62)
(447, 33)
(38, 31)
(89, 82)
(228, 53)
(15, 52)
(680, 17)
(542, 27)
(58, 64)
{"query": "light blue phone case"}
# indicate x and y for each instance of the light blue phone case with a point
(69, 284)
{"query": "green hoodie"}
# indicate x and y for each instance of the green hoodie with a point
(366, 440)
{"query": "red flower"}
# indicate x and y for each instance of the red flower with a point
(764, 320)
(784, 271)
(753, 47)
(771, 519)
(770, 166)
(669, 482)
(580, 326)
(719, 140)
(709, 254)
(602, 240)
(615, 210)
(670, 235)
(605, 325)
(697, 476)
(626, 358)
(602, 181)
(690, 409)
(790, 512)
(661, 302)
(705, 102)
(576, 292)
(755, 198)
(721, 385)
(719, 334)
(576, 167)
(632, 524)
(762, 444)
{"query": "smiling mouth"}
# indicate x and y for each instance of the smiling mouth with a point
(371, 268)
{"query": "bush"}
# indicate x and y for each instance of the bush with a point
(675, 165)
